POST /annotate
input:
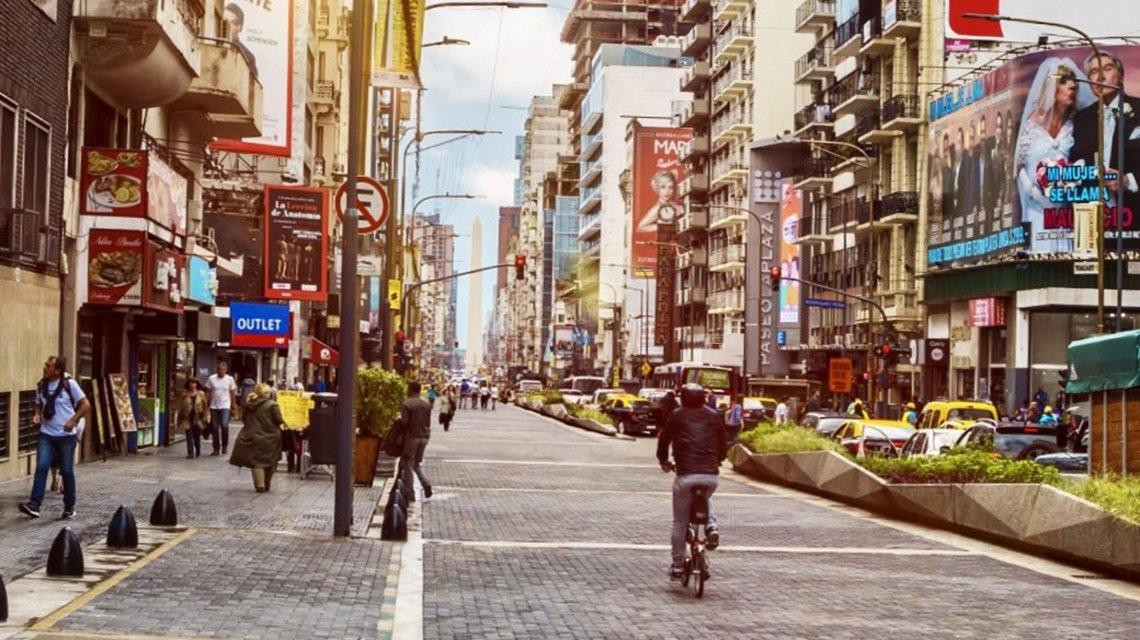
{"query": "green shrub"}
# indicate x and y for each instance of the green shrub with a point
(551, 397)
(1120, 496)
(959, 466)
(770, 438)
(588, 413)
(379, 395)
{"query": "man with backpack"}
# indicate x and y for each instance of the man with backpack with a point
(60, 409)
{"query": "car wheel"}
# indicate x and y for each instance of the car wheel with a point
(624, 427)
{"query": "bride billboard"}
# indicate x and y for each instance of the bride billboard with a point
(997, 145)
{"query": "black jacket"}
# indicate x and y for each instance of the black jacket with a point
(415, 418)
(698, 440)
(1085, 148)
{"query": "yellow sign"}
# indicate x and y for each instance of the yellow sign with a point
(395, 289)
(839, 375)
(398, 41)
(646, 369)
(294, 407)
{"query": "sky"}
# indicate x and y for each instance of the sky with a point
(514, 55)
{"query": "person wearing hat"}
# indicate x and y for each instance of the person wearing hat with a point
(911, 414)
(1048, 418)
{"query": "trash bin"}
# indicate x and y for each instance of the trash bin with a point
(322, 429)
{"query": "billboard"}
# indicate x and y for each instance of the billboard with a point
(791, 208)
(200, 277)
(262, 31)
(657, 173)
(133, 183)
(397, 43)
(1111, 18)
(1011, 152)
(240, 246)
(115, 267)
(296, 247)
(259, 324)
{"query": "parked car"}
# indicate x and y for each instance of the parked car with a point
(930, 442)
(757, 409)
(529, 385)
(885, 437)
(823, 422)
(1075, 456)
(1012, 440)
(630, 413)
(600, 396)
(961, 414)
(653, 394)
(574, 396)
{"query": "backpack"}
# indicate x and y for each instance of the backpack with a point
(48, 409)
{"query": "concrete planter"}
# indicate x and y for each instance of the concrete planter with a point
(1036, 518)
(559, 412)
(556, 411)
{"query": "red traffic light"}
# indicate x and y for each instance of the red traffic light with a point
(885, 350)
(401, 336)
(774, 275)
(520, 267)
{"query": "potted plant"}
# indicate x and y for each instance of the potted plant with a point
(379, 394)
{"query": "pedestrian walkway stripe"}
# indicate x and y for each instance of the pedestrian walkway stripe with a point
(879, 551)
(49, 621)
(624, 492)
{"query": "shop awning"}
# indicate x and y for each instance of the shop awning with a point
(1104, 363)
(322, 354)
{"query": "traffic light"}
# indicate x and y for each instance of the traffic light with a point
(520, 267)
(774, 276)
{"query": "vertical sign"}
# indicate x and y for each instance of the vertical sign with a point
(657, 173)
(791, 210)
(115, 267)
(768, 190)
(665, 292)
(263, 32)
(296, 247)
(398, 39)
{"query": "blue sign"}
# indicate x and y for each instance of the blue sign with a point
(200, 275)
(825, 304)
(781, 338)
(258, 324)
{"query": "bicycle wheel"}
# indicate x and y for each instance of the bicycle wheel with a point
(698, 573)
(685, 574)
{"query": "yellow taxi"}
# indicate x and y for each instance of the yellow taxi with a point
(956, 414)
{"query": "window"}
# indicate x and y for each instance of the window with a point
(321, 65)
(37, 164)
(7, 154)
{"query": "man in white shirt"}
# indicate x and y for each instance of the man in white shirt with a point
(223, 390)
(781, 415)
(494, 396)
(297, 384)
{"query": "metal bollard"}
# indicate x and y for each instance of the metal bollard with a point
(163, 513)
(395, 525)
(66, 556)
(3, 601)
(122, 533)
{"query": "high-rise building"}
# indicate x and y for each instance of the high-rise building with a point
(473, 358)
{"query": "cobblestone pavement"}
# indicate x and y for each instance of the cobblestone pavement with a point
(540, 531)
(208, 492)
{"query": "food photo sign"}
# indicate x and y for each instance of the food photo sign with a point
(133, 183)
(115, 267)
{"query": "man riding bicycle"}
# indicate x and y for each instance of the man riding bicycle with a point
(696, 433)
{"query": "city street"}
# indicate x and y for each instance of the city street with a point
(538, 530)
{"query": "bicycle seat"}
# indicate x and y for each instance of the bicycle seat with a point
(699, 511)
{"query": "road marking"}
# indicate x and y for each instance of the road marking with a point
(718, 494)
(876, 551)
(408, 619)
(547, 463)
(50, 620)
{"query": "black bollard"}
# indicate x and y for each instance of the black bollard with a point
(3, 601)
(122, 532)
(395, 525)
(66, 556)
(163, 512)
(397, 496)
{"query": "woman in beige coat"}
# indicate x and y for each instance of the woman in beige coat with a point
(193, 416)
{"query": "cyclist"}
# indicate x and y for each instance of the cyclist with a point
(696, 433)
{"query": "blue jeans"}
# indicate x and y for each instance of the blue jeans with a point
(55, 449)
(683, 503)
(220, 428)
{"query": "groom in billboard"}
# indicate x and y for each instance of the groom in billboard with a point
(1120, 110)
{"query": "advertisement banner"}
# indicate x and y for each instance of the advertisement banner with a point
(132, 183)
(987, 312)
(115, 267)
(263, 32)
(657, 172)
(200, 279)
(665, 292)
(397, 43)
(1011, 153)
(322, 354)
(791, 208)
(1111, 18)
(240, 241)
(166, 195)
(839, 375)
(296, 247)
(256, 324)
(163, 287)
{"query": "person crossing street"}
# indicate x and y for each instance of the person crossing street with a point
(60, 409)
(415, 420)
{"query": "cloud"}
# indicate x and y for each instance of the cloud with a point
(495, 184)
(530, 57)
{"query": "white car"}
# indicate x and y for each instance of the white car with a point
(529, 385)
(930, 442)
(574, 396)
(653, 394)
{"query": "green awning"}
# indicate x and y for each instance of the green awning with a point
(1104, 363)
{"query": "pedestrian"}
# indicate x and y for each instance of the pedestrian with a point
(321, 386)
(1047, 418)
(193, 416)
(733, 420)
(223, 390)
(1034, 415)
(415, 420)
(465, 394)
(813, 403)
(258, 444)
(494, 396)
(297, 384)
(60, 409)
(273, 388)
(781, 412)
(292, 437)
(484, 396)
(446, 410)
(432, 394)
(911, 414)
(666, 406)
(1041, 398)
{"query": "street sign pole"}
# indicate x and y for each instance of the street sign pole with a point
(346, 373)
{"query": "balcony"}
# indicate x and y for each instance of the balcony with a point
(590, 226)
(698, 147)
(869, 129)
(691, 295)
(901, 113)
(814, 174)
(590, 172)
(854, 93)
(694, 218)
(815, 15)
(730, 126)
(326, 98)
(812, 230)
(814, 116)
(852, 160)
(730, 258)
(695, 77)
(844, 212)
(733, 41)
(697, 40)
(589, 200)
(590, 251)
(694, 184)
(590, 144)
(867, 213)
(696, 11)
(906, 21)
(845, 38)
(726, 217)
(874, 44)
(729, 9)
(690, 113)
(694, 257)
(900, 207)
(816, 64)
(140, 53)
(726, 302)
(224, 101)
(731, 84)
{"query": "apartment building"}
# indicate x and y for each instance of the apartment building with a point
(741, 86)
(435, 302)
(859, 108)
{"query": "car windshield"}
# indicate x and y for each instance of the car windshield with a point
(829, 425)
(969, 414)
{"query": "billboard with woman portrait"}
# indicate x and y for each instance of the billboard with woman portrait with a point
(657, 174)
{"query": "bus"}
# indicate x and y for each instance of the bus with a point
(586, 384)
(721, 382)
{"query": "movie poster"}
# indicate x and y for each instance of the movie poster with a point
(657, 174)
(1011, 152)
(296, 247)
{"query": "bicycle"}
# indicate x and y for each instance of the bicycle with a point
(696, 557)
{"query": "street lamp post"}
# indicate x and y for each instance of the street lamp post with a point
(1100, 160)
